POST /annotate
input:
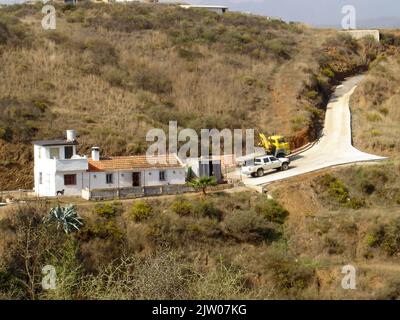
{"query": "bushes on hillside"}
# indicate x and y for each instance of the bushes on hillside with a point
(249, 226)
(336, 189)
(386, 236)
(140, 211)
(182, 207)
(26, 246)
(18, 118)
(207, 209)
(153, 80)
(272, 211)
(290, 274)
(13, 32)
(109, 211)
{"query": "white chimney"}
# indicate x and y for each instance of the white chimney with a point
(71, 135)
(95, 153)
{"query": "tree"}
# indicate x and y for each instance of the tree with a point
(203, 183)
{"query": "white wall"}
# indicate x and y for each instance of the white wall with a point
(150, 177)
(69, 190)
(43, 165)
(52, 181)
(172, 176)
(359, 34)
(47, 188)
(97, 180)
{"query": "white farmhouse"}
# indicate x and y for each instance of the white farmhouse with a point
(59, 170)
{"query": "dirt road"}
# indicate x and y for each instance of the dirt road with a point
(333, 148)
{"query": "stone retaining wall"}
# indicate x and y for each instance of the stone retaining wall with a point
(137, 192)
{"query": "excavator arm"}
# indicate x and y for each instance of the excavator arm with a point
(264, 142)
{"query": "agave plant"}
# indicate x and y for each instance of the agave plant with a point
(66, 217)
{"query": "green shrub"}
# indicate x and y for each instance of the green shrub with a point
(101, 52)
(397, 197)
(115, 76)
(2, 133)
(289, 274)
(108, 230)
(249, 226)
(312, 94)
(189, 55)
(375, 133)
(109, 210)
(386, 236)
(141, 210)
(355, 203)
(4, 33)
(328, 72)
(207, 209)
(391, 241)
(374, 117)
(153, 80)
(298, 122)
(336, 188)
(384, 111)
(333, 245)
(272, 211)
(182, 207)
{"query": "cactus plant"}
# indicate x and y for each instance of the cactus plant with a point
(66, 217)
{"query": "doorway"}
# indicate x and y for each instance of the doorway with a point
(136, 179)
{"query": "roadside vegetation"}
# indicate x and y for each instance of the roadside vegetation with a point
(376, 116)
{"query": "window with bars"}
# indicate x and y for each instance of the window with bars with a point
(109, 178)
(162, 175)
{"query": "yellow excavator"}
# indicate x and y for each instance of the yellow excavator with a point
(275, 145)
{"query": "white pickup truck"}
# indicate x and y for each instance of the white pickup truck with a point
(264, 164)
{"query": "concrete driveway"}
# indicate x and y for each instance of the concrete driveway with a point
(333, 148)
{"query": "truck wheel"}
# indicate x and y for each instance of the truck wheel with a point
(260, 172)
(285, 166)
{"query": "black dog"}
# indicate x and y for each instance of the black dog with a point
(60, 193)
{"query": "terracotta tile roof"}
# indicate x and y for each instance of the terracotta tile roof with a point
(134, 162)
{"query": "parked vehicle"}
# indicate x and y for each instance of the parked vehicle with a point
(264, 164)
(275, 145)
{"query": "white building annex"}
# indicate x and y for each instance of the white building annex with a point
(58, 170)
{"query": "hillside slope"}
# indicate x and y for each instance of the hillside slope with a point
(375, 106)
(114, 71)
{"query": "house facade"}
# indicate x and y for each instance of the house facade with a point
(59, 170)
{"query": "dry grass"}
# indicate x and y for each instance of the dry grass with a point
(376, 116)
